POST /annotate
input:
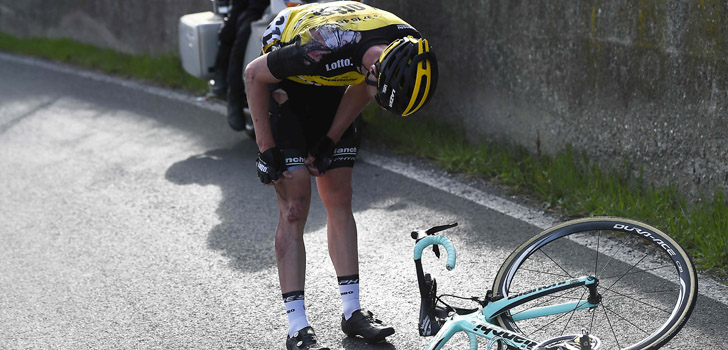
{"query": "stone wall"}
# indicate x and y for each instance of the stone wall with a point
(130, 26)
(643, 81)
(638, 80)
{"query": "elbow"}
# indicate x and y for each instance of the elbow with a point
(249, 74)
(256, 75)
(256, 72)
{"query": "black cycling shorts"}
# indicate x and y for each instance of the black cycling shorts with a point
(300, 122)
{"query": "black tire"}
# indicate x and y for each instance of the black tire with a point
(640, 271)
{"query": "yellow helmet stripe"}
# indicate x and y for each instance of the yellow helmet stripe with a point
(418, 81)
(387, 50)
(421, 71)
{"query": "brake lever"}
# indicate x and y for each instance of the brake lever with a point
(418, 235)
(436, 229)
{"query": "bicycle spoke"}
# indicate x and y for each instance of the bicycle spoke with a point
(591, 324)
(610, 326)
(648, 292)
(546, 324)
(624, 319)
(613, 256)
(546, 273)
(641, 302)
(572, 313)
(555, 263)
(574, 250)
(596, 259)
(636, 272)
(633, 266)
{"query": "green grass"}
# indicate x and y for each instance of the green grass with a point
(164, 69)
(567, 183)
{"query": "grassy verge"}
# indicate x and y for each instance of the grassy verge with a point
(163, 69)
(567, 183)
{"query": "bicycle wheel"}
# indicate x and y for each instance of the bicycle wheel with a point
(647, 282)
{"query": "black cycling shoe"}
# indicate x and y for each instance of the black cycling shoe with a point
(305, 339)
(362, 323)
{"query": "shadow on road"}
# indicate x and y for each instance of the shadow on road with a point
(357, 343)
(245, 232)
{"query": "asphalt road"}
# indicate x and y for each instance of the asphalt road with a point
(131, 220)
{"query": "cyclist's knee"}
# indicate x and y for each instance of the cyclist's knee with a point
(336, 192)
(294, 212)
(337, 198)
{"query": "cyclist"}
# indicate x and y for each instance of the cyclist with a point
(322, 64)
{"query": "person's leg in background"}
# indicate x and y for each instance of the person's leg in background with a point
(226, 39)
(236, 91)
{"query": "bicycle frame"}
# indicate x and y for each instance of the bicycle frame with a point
(482, 322)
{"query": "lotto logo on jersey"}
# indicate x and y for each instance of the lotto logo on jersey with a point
(341, 63)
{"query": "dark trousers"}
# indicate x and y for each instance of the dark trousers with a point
(233, 38)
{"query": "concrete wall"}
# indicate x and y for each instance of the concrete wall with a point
(641, 80)
(644, 81)
(130, 26)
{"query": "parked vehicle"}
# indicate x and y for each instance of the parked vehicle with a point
(198, 40)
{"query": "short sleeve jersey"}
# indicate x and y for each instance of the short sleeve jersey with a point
(323, 43)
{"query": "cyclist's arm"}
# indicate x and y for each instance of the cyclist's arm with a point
(354, 100)
(257, 78)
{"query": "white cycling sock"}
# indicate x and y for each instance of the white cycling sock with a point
(296, 311)
(349, 289)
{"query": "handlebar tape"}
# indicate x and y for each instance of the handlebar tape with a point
(441, 240)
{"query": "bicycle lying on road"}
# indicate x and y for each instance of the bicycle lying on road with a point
(593, 283)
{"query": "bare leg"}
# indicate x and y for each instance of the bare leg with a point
(335, 191)
(294, 199)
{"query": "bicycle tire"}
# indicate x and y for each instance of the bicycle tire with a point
(636, 259)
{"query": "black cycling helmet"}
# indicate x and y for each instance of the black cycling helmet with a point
(406, 75)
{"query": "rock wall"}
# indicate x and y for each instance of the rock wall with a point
(643, 81)
(130, 26)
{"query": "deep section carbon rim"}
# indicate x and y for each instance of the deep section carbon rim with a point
(647, 282)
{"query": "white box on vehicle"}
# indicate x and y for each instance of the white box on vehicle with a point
(198, 42)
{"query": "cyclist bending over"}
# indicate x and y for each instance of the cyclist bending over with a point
(323, 64)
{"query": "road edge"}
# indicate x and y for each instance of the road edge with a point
(708, 286)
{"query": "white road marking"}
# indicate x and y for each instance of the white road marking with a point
(153, 90)
(707, 286)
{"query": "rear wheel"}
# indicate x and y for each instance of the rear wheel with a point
(647, 282)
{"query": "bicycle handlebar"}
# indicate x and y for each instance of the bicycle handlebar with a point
(441, 240)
